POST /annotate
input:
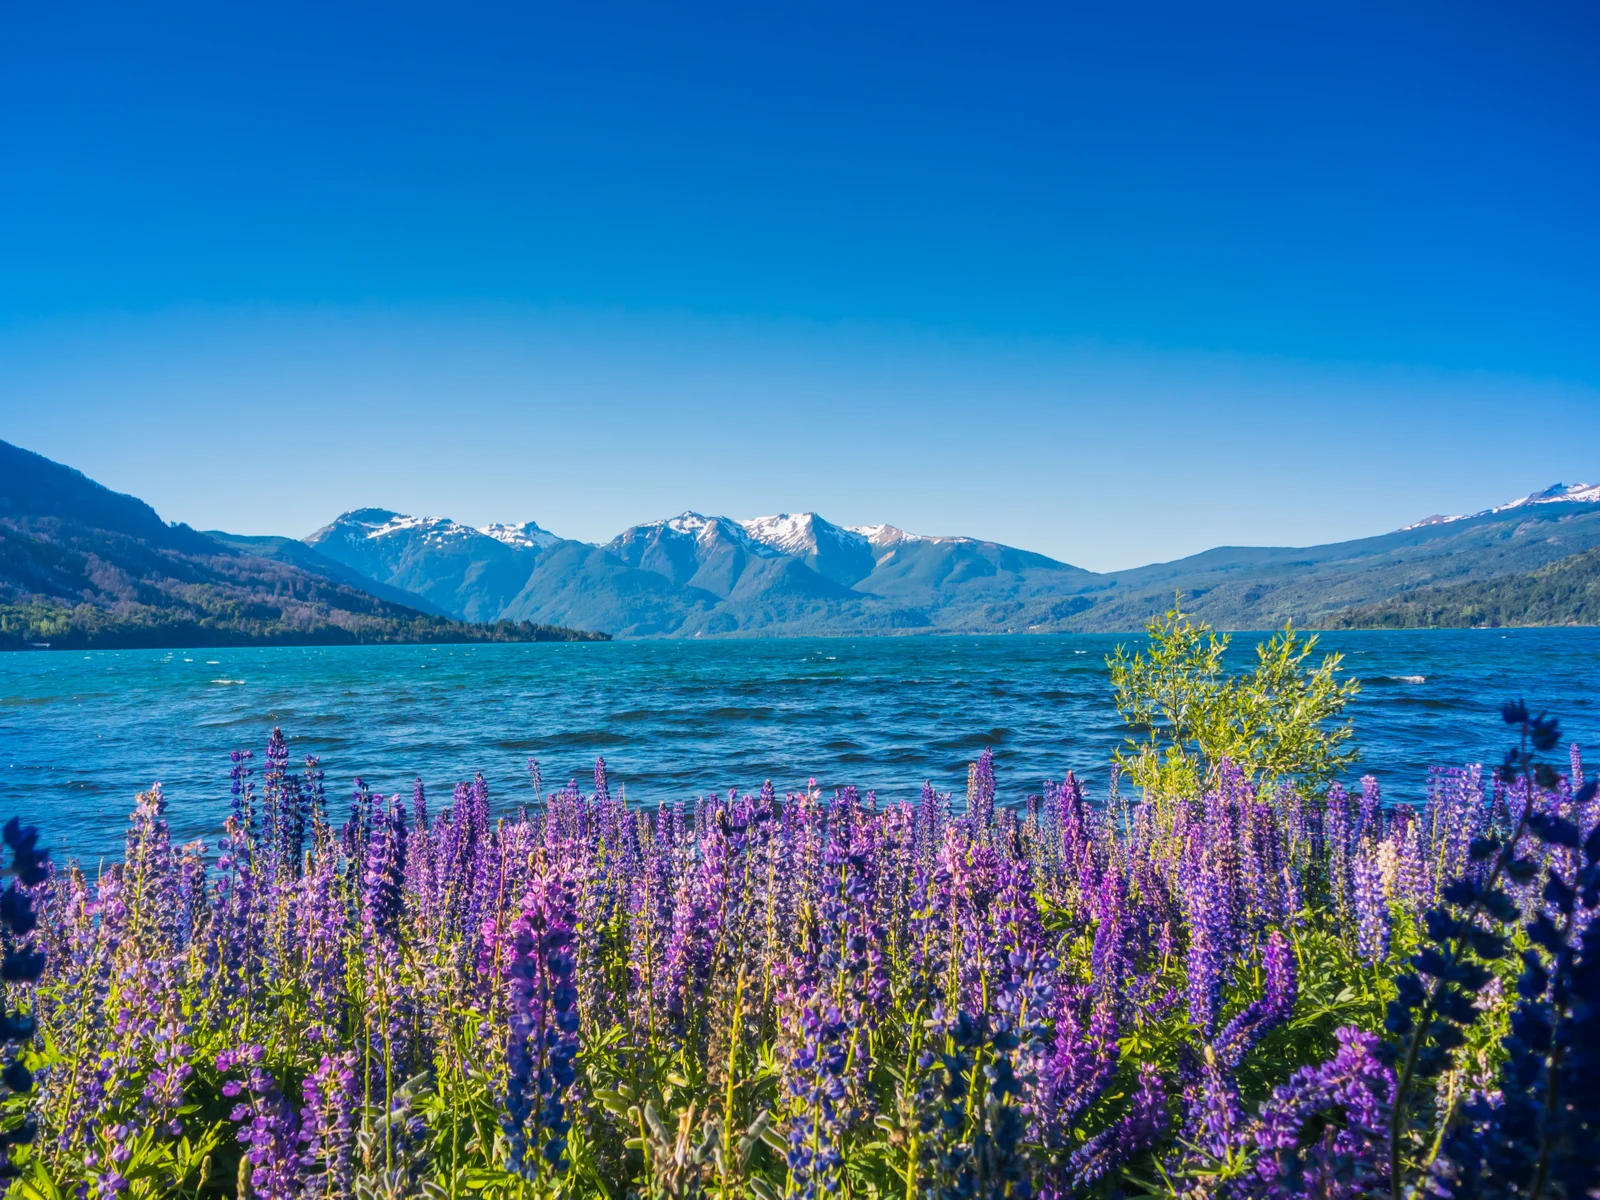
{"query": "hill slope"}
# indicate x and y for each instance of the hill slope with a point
(1566, 592)
(1262, 587)
(81, 565)
(297, 553)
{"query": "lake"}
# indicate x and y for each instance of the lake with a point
(81, 732)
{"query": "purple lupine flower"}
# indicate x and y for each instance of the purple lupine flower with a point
(311, 785)
(270, 1130)
(237, 925)
(1144, 1124)
(1079, 1066)
(862, 930)
(1337, 835)
(696, 921)
(932, 812)
(1346, 1100)
(1412, 880)
(383, 880)
(1109, 961)
(111, 1182)
(480, 807)
(817, 1090)
(543, 1041)
(980, 791)
(149, 886)
(321, 920)
(419, 853)
(1076, 830)
(1241, 1034)
(1215, 1118)
(242, 790)
(1369, 823)
(283, 823)
(1209, 933)
(358, 826)
(1371, 909)
(419, 805)
(327, 1126)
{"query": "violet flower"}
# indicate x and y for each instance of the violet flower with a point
(1139, 1129)
(1344, 1106)
(1242, 1033)
(543, 1040)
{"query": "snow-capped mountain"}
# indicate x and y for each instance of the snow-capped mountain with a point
(835, 552)
(526, 536)
(1556, 493)
(374, 523)
(470, 573)
(796, 534)
(709, 554)
(697, 574)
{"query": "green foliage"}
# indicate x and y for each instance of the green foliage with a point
(1567, 592)
(1278, 722)
(87, 627)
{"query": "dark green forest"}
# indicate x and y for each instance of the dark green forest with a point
(1565, 592)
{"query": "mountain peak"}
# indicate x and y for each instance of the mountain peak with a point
(372, 517)
(527, 535)
(1556, 493)
(880, 536)
(795, 533)
(690, 524)
(433, 529)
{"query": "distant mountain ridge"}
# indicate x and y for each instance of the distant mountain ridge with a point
(83, 566)
(1556, 493)
(696, 575)
(103, 566)
(1565, 592)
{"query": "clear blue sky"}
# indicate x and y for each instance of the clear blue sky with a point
(1113, 282)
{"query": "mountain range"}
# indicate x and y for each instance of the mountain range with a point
(695, 575)
(90, 566)
(81, 566)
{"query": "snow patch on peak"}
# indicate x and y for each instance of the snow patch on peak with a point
(691, 523)
(1556, 493)
(880, 536)
(700, 527)
(795, 533)
(1436, 519)
(526, 536)
(438, 530)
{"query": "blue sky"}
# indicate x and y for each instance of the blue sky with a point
(1116, 283)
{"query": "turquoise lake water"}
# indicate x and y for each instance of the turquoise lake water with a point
(81, 732)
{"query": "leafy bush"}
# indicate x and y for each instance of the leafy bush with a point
(1279, 721)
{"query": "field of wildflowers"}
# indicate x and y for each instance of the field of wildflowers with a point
(1250, 991)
